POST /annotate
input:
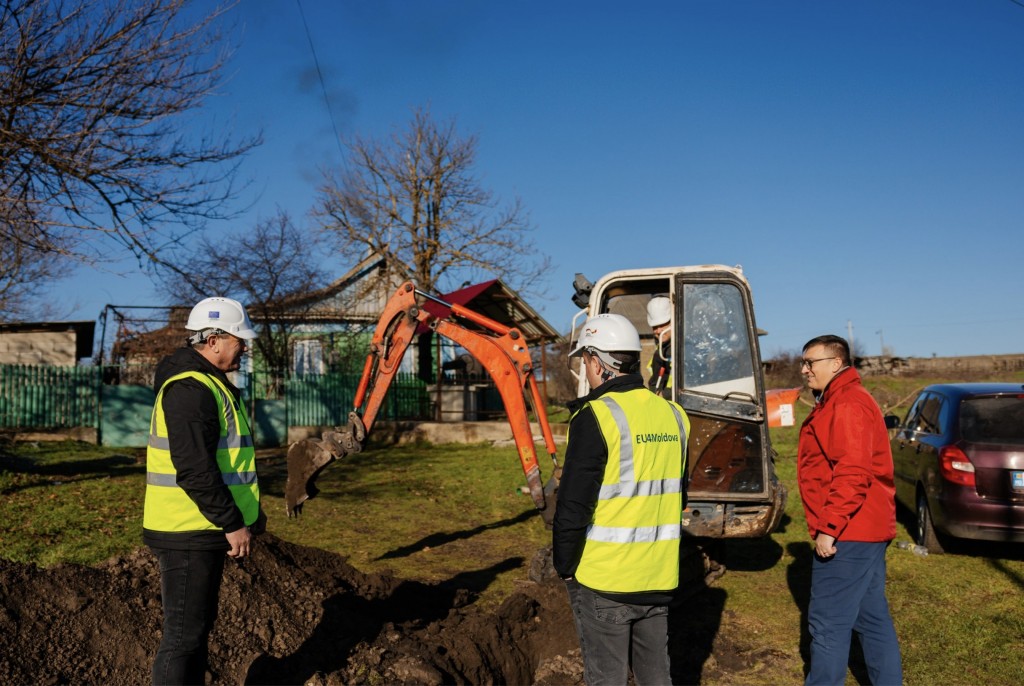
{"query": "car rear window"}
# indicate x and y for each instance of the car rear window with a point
(997, 419)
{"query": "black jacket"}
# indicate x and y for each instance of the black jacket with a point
(585, 458)
(194, 431)
(658, 362)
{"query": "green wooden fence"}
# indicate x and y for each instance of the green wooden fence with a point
(326, 399)
(43, 398)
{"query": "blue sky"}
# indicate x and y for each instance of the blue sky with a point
(863, 161)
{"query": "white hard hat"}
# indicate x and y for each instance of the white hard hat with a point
(608, 333)
(659, 311)
(221, 313)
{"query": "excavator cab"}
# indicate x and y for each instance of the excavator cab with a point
(715, 374)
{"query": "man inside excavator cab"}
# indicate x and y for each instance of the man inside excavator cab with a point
(659, 318)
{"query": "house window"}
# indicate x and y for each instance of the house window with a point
(308, 357)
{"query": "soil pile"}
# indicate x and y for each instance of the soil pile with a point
(297, 615)
(288, 615)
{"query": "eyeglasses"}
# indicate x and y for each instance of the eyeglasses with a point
(810, 363)
(224, 335)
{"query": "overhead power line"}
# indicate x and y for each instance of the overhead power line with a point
(320, 76)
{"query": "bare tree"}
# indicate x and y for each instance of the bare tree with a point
(414, 200)
(95, 150)
(559, 370)
(269, 268)
(782, 370)
(23, 274)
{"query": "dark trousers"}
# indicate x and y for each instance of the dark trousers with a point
(848, 595)
(190, 586)
(617, 636)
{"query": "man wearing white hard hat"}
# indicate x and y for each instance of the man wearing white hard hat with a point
(616, 529)
(202, 492)
(659, 318)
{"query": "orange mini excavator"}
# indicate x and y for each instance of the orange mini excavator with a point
(499, 348)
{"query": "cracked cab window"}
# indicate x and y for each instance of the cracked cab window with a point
(716, 343)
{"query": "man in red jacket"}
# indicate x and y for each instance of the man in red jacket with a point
(845, 472)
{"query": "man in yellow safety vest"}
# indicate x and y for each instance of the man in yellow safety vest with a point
(616, 529)
(202, 493)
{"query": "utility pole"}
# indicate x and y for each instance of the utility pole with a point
(849, 337)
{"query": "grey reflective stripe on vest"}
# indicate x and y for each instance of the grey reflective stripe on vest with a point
(225, 442)
(679, 421)
(625, 439)
(627, 485)
(631, 489)
(232, 441)
(158, 479)
(644, 534)
(231, 479)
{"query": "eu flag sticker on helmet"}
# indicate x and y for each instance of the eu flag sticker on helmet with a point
(221, 313)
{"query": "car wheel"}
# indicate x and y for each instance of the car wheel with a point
(926, 534)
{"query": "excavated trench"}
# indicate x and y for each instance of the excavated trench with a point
(299, 615)
(289, 615)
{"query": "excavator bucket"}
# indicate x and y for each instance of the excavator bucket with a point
(308, 457)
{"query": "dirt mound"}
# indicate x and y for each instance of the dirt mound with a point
(289, 615)
(297, 615)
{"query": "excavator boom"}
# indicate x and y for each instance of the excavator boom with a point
(500, 349)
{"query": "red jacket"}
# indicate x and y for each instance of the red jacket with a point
(844, 465)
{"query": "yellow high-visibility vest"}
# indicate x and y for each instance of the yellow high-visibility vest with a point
(168, 508)
(633, 543)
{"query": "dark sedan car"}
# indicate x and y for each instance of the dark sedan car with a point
(959, 459)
